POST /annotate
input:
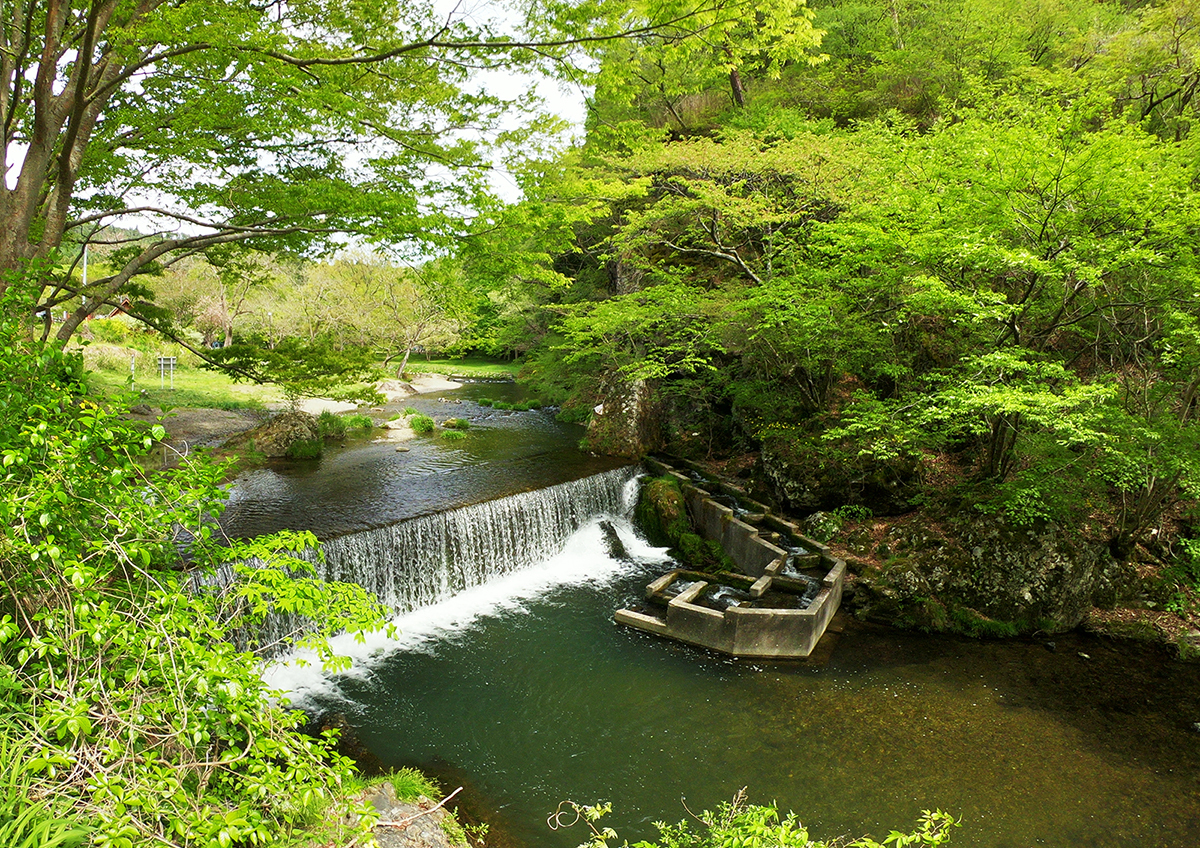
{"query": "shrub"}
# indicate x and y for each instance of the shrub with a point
(422, 424)
(358, 421)
(331, 427)
(306, 449)
(573, 415)
(112, 330)
(738, 823)
(146, 720)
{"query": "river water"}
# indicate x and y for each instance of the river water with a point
(524, 690)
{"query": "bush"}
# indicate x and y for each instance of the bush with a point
(146, 720)
(306, 449)
(485, 401)
(737, 823)
(457, 424)
(331, 427)
(112, 330)
(358, 421)
(502, 404)
(422, 424)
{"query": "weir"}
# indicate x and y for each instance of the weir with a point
(421, 561)
(424, 560)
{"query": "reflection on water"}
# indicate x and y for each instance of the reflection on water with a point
(368, 485)
(541, 699)
(526, 690)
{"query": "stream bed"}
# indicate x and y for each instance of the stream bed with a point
(525, 691)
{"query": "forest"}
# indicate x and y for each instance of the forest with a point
(925, 270)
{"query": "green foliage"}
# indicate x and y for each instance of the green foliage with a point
(453, 435)
(118, 653)
(738, 824)
(331, 426)
(303, 369)
(358, 421)
(1184, 574)
(306, 449)
(27, 819)
(457, 424)
(422, 424)
(112, 330)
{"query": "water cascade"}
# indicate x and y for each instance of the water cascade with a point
(425, 560)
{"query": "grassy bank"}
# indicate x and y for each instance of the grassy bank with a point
(471, 367)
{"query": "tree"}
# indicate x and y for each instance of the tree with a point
(272, 124)
(718, 46)
(117, 640)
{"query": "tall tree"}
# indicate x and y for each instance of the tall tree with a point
(252, 121)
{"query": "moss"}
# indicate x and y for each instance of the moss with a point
(661, 512)
(971, 623)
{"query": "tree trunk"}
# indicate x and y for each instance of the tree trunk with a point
(739, 91)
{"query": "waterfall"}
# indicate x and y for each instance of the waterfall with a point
(421, 561)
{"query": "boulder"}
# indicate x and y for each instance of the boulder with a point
(627, 420)
(983, 576)
(291, 433)
(396, 389)
(806, 474)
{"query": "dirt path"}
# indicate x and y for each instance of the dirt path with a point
(188, 429)
(191, 428)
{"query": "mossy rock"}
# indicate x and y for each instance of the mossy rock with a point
(662, 512)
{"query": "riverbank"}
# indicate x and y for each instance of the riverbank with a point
(977, 575)
(190, 428)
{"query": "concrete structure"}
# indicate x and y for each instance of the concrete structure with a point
(768, 624)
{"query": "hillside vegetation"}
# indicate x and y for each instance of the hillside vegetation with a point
(948, 264)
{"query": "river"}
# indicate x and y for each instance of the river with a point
(521, 686)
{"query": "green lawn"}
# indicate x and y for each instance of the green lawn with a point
(194, 387)
(466, 367)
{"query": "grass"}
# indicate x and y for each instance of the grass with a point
(422, 424)
(467, 367)
(194, 387)
(24, 821)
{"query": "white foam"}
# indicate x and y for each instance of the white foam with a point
(583, 560)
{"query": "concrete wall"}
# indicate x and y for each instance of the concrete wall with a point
(738, 539)
(742, 631)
